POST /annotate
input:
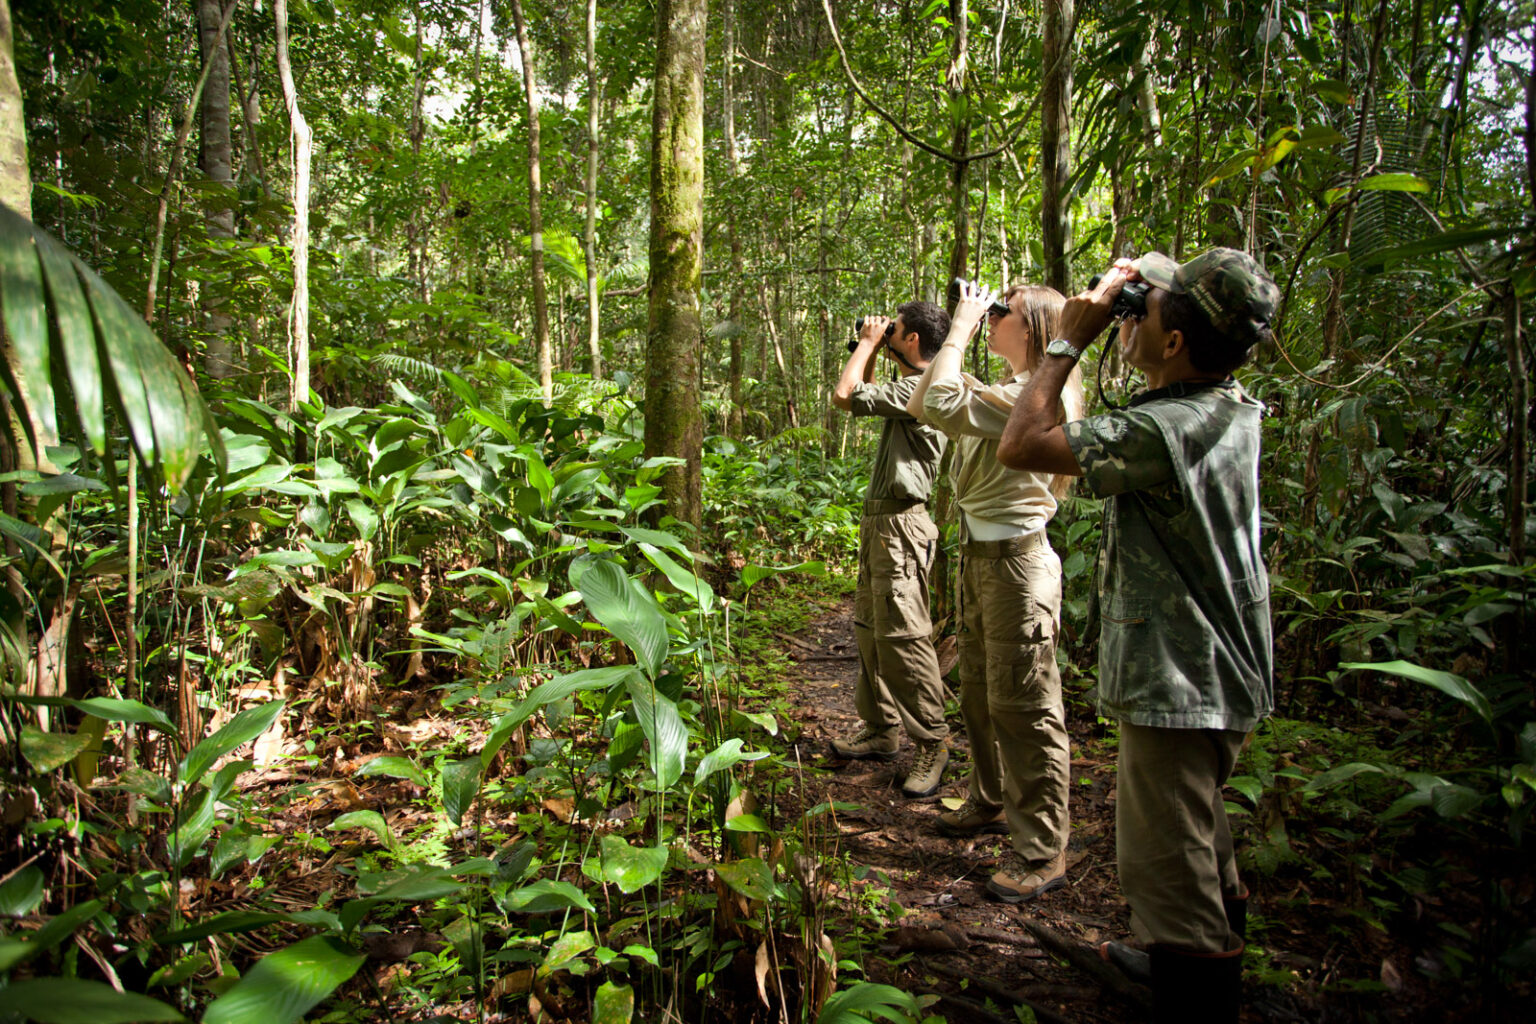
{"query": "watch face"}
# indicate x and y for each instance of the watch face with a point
(1062, 347)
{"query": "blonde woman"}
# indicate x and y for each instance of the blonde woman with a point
(1010, 594)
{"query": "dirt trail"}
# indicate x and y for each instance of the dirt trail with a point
(966, 947)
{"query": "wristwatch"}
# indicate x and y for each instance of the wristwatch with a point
(1063, 347)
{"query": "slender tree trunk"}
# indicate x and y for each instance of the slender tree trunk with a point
(215, 157)
(535, 213)
(1056, 144)
(415, 226)
(735, 423)
(778, 352)
(674, 423)
(303, 153)
(960, 145)
(589, 238)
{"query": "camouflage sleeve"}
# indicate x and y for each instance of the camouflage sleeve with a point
(887, 400)
(1120, 452)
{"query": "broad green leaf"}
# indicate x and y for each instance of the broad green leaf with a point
(236, 921)
(645, 953)
(26, 322)
(746, 823)
(613, 1004)
(364, 517)
(628, 611)
(82, 1001)
(865, 1001)
(241, 729)
(1234, 163)
(77, 339)
(546, 895)
(396, 768)
(681, 578)
(752, 574)
(414, 883)
(631, 868)
(460, 783)
(657, 538)
(1447, 683)
(546, 692)
(287, 984)
(1332, 777)
(1247, 785)
(664, 729)
(751, 877)
(724, 756)
(114, 709)
(762, 719)
(1394, 182)
(373, 821)
(565, 949)
(1454, 801)
(46, 751)
(22, 893)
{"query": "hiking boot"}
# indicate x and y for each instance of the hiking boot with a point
(868, 743)
(1017, 881)
(970, 820)
(927, 769)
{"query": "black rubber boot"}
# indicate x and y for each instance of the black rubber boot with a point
(1196, 988)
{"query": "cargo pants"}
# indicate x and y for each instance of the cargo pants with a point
(1172, 840)
(898, 669)
(1010, 689)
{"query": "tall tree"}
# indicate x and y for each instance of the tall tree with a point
(215, 159)
(303, 151)
(674, 421)
(1056, 143)
(589, 236)
(535, 211)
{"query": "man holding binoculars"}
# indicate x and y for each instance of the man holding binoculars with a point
(899, 681)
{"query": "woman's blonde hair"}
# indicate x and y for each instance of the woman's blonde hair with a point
(1040, 307)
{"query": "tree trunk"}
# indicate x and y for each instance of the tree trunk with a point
(415, 227)
(735, 421)
(303, 152)
(1056, 144)
(215, 159)
(535, 214)
(960, 147)
(589, 238)
(674, 424)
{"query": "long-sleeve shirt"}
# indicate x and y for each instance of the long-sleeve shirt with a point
(974, 414)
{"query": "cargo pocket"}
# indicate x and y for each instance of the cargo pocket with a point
(1024, 676)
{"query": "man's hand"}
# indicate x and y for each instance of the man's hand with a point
(874, 330)
(1087, 313)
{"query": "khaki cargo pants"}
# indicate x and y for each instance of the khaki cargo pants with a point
(1172, 840)
(898, 669)
(1010, 689)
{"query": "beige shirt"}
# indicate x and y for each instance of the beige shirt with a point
(974, 414)
(908, 457)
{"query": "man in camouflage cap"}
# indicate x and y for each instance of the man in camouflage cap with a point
(1185, 649)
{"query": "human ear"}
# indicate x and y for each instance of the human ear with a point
(1173, 344)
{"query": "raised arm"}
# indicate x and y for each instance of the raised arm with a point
(860, 367)
(1032, 439)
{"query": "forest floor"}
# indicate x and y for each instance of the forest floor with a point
(979, 956)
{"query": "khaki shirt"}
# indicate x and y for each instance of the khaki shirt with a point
(908, 457)
(974, 414)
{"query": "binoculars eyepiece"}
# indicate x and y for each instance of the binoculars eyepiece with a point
(1132, 300)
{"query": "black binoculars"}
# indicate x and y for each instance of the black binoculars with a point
(999, 308)
(1132, 300)
(858, 328)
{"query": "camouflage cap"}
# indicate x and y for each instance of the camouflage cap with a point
(1229, 286)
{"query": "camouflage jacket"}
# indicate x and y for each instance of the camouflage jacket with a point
(1183, 593)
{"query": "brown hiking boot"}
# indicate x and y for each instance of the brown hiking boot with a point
(927, 769)
(868, 744)
(969, 819)
(1017, 881)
